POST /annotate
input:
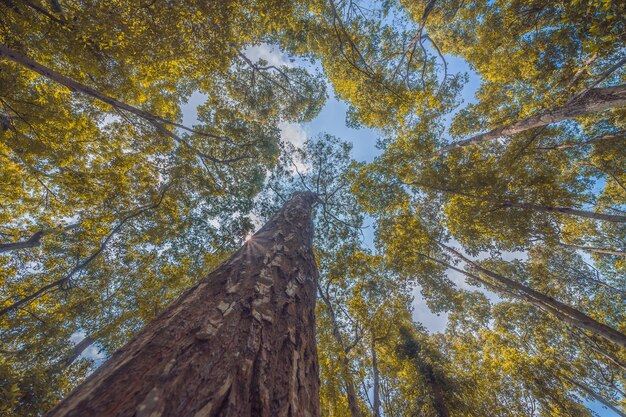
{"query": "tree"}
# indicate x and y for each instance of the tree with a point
(84, 176)
(259, 304)
(110, 206)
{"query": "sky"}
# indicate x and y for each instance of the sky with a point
(332, 120)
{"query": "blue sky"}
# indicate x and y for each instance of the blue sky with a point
(332, 120)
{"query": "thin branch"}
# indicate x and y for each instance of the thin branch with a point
(81, 265)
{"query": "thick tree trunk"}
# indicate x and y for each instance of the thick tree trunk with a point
(593, 101)
(239, 343)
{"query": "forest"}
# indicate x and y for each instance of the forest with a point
(306, 208)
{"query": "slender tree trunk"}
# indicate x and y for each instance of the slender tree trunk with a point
(594, 249)
(436, 390)
(240, 343)
(31, 242)
(353, 403)
(584, 388)
(593, 101)
(571, 145)
(159, 123)
(34, 240)
(549, 304)
(529, 206)
(376, 404)
(78, 349)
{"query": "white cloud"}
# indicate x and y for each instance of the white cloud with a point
(293, 133)
(271, 54)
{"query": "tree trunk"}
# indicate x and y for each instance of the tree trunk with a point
(563, 311)
(78, 349)
(376, 404)
(35, 239)
(615, 218)
(594, 249)
(593, 101)
(436, 390)
(597, 139)
(159, 123)
(31, 242)
(353, 403)
(584, 388)
(239, 343)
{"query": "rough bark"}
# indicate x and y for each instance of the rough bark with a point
(353, 403)
(563, 311)
(239, 343)
(593, 101)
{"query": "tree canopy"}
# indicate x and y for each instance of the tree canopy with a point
(504, 212)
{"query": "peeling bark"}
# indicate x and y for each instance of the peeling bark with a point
(239, 343)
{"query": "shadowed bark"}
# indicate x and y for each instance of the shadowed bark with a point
(239, 343)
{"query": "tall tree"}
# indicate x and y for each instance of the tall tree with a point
(241, 342)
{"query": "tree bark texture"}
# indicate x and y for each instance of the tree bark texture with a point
(239, 343)
(593, 101)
